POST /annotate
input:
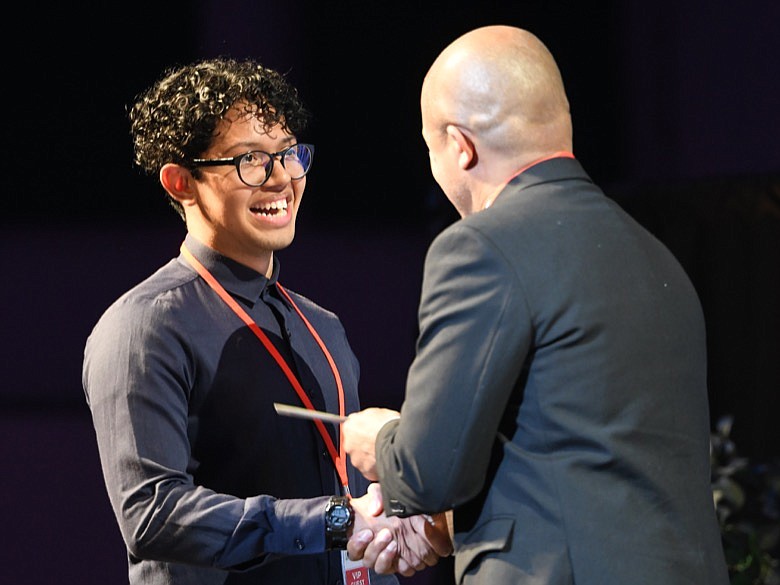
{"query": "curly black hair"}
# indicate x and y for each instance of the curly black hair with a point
(175, 120)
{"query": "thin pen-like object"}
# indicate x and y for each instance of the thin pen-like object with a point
(301, 412)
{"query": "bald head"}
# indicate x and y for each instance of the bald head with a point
(501, 85)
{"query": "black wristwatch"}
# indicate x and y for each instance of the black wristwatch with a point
(338, 519)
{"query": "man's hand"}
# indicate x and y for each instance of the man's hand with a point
(359, 433)
(372, 525)
(396, 545)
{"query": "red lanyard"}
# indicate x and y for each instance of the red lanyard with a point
(339, 457)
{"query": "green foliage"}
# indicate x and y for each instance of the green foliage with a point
(747, 499)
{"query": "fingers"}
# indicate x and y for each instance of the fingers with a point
(401, 550)
(358, 434)
(404, 568)
(410, 556)
(380, 553)
(393, 544)
(356, 546)
(388, 561)
(413, 544)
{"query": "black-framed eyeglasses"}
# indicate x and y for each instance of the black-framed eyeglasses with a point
(255, 167)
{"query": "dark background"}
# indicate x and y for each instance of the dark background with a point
(675, 109)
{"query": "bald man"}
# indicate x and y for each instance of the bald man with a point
(557, 403)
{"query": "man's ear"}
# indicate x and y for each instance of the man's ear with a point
(178, 182)
(467, 152)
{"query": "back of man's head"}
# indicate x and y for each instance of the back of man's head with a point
(502, 85)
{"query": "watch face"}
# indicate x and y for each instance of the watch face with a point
(339, 517)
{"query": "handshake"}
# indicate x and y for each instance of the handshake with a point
(389, 544)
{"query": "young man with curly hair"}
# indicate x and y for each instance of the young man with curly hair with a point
(208, 483)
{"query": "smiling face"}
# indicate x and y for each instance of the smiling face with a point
(241, 222)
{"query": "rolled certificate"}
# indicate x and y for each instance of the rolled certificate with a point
(301, 412)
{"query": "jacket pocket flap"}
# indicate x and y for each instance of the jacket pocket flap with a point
(493, 535)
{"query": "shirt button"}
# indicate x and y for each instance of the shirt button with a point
(299, 544)
(325, 454)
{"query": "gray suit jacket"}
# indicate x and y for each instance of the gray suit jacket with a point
(558, 398)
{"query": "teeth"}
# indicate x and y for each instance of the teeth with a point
(273, 208)
(273, 205)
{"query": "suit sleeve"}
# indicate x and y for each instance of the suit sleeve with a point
(475, 331)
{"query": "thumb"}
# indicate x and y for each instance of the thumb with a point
(376, 505)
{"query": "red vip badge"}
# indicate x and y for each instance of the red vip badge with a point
(354, 571)
(357, 576)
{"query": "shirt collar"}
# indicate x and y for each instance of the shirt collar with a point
(561, 154)
(236, 278)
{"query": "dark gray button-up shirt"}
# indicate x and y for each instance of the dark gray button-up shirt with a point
(208, 483)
